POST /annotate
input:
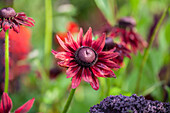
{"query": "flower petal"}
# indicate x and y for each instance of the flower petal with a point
(109, 63)
(107, 55)
(6, 102)
(72, 71)
(71, 41)
(80, 37)
(87, 39)
(67, 63)
(95, 83)
(22, 22)
(87, 75)
(97, 72)
(26, 107)
(62, 44)
(6, 25)
(16, 27)
(64, 56)
(98, 45)
(76, 79)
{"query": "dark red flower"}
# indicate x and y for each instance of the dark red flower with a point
(6, 105)
(10, 19)
(119, 48)
(85, 59)
(128, 35)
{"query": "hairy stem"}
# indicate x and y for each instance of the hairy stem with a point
(6, 61)
(69, 100)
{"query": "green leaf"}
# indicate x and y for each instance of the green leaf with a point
(106, 7)
(0, 29)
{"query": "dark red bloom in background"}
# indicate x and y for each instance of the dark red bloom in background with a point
(128, 35)
(119, 48)
(6, 105)
(10, 19)
(85, 59)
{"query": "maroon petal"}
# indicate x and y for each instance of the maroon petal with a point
(86, 74)
(29, 18)
(21, 14)
(72, 71)
(109, 63)
(97, 72)
(62, 44)
(107, 55)
(95, 83)
(6, 102)
(87, 39)
(16, 27)
(64, 56)
(76, 79)
(6, 25)
(80, 37)
(26, 107)
(67, 63)
(71, 42)
(98, 45)
(1, 107)
(22, 22)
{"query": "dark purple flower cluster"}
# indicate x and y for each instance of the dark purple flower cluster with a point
(132, 104)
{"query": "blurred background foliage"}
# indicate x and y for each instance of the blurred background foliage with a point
(51, 94)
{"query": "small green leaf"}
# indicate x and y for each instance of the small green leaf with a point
(0, 29)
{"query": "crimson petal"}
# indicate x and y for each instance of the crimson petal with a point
(67, 63)
(87, 40)
(76, 79)
(64, 56)
(80, 37)
(109, 63)
(16, 27)
(6, 25)
(72, 71)
(6, 102)
(107, 55)
(95, 83)
(62, 44)
(97, 72)
(98, 45)
(86, 74)
(26, 107)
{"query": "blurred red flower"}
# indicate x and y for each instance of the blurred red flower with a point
(85, 59)
(6, 105)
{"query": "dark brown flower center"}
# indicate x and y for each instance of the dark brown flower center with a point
(127, 22)
(109, 44)
(86, 56)
(7, 12)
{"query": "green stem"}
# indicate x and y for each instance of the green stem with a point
(48, 33)
(69, 100)
(147, 51)
(6, 60)
(108, 86)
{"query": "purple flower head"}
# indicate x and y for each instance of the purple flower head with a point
(132, 104)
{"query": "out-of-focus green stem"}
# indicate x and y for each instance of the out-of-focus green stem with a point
(108, 86)
(147, 51)
(6, 61)
(69, 100)
(48, 33)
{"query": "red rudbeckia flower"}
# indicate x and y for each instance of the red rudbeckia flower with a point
(85, 59)
(6, 105)
(10, 19)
